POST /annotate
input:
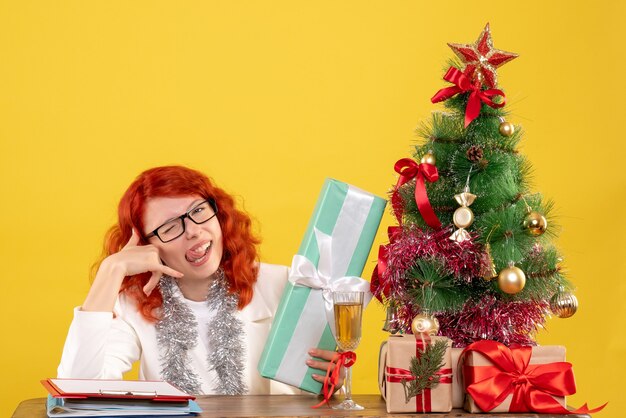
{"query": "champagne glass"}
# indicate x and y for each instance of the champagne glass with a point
(348, 308)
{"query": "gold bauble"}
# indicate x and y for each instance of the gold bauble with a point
(535, 223)
(428, 158)
(425, 324)
(563, 304)
(511, 280)
(463, 217)
(507, 129)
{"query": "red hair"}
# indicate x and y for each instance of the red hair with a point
(240, 253)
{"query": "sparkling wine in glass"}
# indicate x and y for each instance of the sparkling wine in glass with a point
(348, 308)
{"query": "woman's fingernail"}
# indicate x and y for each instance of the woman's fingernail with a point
(312, 351)
(315, 376)
(309, 362)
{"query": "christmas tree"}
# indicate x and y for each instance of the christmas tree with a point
(472, 256)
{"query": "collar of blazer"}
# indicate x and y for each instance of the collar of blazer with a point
(257, 309)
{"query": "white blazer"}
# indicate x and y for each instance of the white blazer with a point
(102, 345)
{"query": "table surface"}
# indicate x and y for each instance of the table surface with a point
(285, 406)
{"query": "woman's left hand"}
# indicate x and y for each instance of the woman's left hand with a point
(322, 362)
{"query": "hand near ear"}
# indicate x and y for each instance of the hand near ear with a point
(130, 260)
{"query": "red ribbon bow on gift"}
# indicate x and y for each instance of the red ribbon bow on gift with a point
(346, 359)
(532, 385)
(462, 84)
(409, 169)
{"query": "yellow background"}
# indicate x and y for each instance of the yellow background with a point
(269, 98)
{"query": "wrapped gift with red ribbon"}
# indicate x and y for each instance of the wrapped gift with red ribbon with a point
(519, 379)
(458, 391)
(394, 368)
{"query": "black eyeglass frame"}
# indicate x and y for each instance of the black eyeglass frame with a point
(182, 217)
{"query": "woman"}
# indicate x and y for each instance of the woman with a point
(179, 288)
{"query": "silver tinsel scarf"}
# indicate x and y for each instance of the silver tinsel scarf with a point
(177, 333)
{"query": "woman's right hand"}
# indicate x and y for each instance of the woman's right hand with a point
(130, 260)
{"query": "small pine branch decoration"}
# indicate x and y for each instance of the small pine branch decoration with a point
(424, 369)
(432, 287)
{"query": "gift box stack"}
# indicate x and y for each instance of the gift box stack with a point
(470, 259)
(485, 376)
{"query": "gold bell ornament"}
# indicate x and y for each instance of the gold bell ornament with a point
(506, 128)
(563, 304)
(463, 217)
(511, 280)
(428, 158)
(535, 223)
(390, 321)
(424, 323)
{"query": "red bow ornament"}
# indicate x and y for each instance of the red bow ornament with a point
(533, 386)
(463, 84)
(409, 169)
(380, 285)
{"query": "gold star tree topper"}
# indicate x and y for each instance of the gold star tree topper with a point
(482, 59)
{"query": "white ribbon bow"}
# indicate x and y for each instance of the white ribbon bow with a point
(329, 275)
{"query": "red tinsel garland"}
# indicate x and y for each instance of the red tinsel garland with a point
(463, 260)
(486, 317)
(493, 319)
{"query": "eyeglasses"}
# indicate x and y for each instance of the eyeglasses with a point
(174, 228)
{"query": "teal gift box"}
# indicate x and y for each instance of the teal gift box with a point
(332, 255)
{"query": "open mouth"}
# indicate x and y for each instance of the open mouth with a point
(198, 254)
